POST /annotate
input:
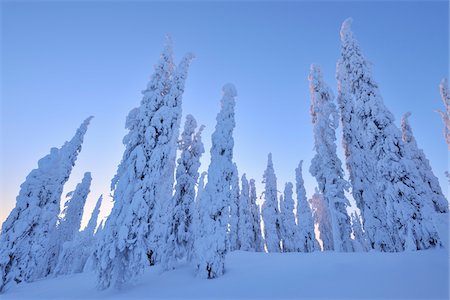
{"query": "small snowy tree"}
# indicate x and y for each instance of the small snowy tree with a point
(386, 185)
(27, 245)
(245, 233)
(270, 212)
(438, 201)
(257, 240)
(180, 236)
(234, 211)
(445, 115)
(143, 184)
(306, 238)
(326, 166)
(69, 224)
(76, 252)
(289, 232)
(211, 244)
(322, 219)
(361, 243)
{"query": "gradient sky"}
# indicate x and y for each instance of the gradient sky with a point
(61, 62)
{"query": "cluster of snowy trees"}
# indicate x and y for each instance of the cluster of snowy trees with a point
(165, 213)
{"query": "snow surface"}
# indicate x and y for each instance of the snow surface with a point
(330, 275)
(326, 275)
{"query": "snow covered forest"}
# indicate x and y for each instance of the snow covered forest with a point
(170, 218)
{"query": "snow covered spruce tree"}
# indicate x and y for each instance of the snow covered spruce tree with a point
(445, 115)
(270, 212)
(257, 240)
(321, 216)
(76, 251)
(245, 228)
(306, 238)
(234, 211)
(211, 244)
(69, 224)
(386, 185)
(289, 230)
(438, 201)
(180, 236)
(143, 184)
(360, 243)
(326, 166)
(27, 245)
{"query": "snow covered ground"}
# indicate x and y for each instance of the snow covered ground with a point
(326, 275)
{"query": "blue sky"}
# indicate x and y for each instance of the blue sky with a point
(62, 62)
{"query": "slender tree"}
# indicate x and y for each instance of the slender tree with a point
(143, 184)
(289, 232)
(69, 224)
(386, 184)
(270, 211)
(211, 243)
(326, 166)
(27, 247)
(306, 237)
(258, 242)
(445, 115)
(180, 236)
(435, 195)
(76, 252)
(245, 233)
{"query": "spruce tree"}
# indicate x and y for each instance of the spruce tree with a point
(180, 235)
(258, 242)
(270, 211)
(326, 166)
(386, 184)
(143, 184)
(211, 242)
(445, 115)
(289, 227)
(27, 244)
(435, 195)
(306, 237)
(245, 228)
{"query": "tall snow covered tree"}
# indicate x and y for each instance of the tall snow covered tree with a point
(75, 252)
(245, 228)
(360, 242)
(143, 184)
(257, 240)
(326, 166)
(180, 235)
(289, 232)
(321, 216)
(27, 236)
(211, 244)
(306, 238)
(234, 211)
(270, 212)
(386, 185)
(438, 201)
(445, 115)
